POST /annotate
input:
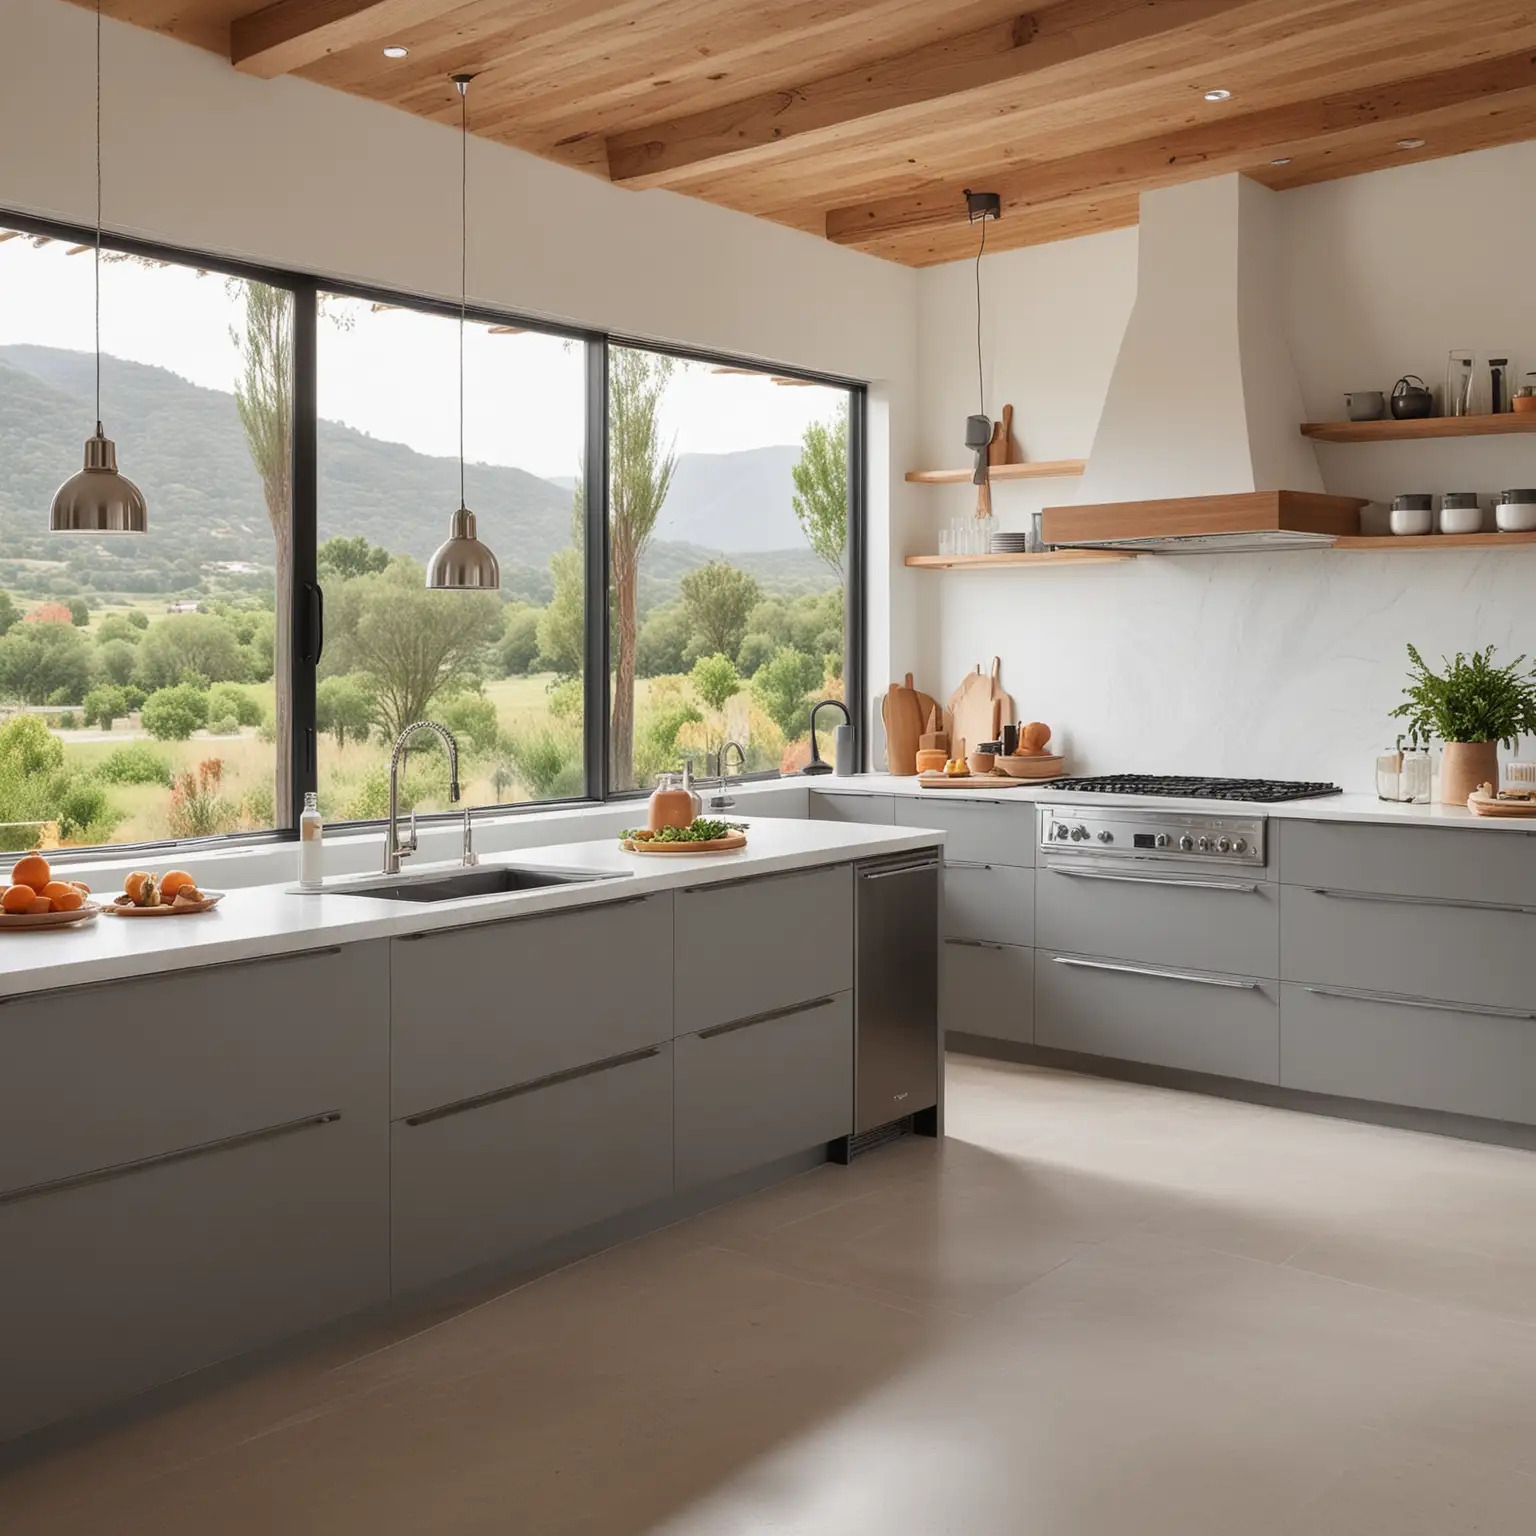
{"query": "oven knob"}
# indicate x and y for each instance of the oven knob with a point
(1186, 843)
(1204, 845)
(1061, 831)
(1162, 840)
(1239, 845)
(1223, 845)
(1106, 837)
(1079, 834)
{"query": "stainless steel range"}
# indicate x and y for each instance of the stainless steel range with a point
(1124, 832)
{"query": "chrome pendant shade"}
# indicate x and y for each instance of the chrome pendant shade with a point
(463, 563)
(98, 499)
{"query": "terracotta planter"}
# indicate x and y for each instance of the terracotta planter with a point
(1464, 767)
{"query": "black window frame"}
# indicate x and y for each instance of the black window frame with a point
(307, 634)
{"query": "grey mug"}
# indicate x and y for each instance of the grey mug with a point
(1365, 404)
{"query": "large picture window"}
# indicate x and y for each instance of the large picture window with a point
(678, 539)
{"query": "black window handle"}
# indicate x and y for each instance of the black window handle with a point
(314, 624)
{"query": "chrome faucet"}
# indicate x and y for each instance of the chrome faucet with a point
(394, 848)
(723, 800)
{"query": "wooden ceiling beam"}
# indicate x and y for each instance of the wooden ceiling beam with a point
(1233, 144)
(751, 130)
(290, 34)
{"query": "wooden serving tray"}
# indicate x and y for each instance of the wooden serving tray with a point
(1512, 808)
(210, 899)
(82, 914)
(970, 781)
(714, 845)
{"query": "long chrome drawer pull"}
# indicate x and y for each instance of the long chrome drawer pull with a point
(498, 1095)
(975, 944)
(965, 864)
(1421, 1002)
(166, 1159)
(1248, 887)
(1199, 977)
(905, 869)
(1421, 901)
(765, 1018)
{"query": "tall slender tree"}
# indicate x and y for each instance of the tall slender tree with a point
(641, 469)
(821, 489)
(264, 399)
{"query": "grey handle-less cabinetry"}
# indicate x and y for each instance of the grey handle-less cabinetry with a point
(191, 1166)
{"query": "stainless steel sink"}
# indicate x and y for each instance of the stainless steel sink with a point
(469, 882)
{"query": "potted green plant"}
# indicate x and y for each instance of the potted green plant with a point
(1472, 706)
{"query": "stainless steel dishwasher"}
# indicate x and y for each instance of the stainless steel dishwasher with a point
(896, 991)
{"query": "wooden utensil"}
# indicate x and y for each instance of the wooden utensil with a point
(1000, 449)
(903, 715)
(1044, 765)
(935, 738)
(1005, 715)
(970, 708)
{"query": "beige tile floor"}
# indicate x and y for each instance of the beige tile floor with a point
(1095, 1310)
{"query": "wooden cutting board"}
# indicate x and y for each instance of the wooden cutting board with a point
(1005, 712)
(905, 713)
(979, 708)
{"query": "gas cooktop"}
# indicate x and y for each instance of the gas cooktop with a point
(1176, 786)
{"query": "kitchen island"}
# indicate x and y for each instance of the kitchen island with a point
(227, 1129)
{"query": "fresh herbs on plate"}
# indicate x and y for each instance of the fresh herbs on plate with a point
(702, 831)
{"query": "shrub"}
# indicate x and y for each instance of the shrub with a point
(172, 714)
(547, 760)
(227, 726)
(117, 660)
(138, 619)
(45, 660)
(344, 707)
(79, 612)
(104, 704)
(226, 701)
(68, 721)
(783, 687)
(566, 698)
(198, 808)
(472, 719)
(258, 810)
(117, 626)
(134, 763)
(36, 787)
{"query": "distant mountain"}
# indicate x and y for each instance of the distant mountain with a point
(184, 446)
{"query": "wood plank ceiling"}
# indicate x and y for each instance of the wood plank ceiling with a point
(864, 120)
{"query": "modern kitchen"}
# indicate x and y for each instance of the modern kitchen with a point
(1065, 1061)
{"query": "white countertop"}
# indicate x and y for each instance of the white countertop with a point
(275, 919)
(1360, 808)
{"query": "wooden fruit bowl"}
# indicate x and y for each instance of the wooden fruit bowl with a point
(84, 913)
(1046, 765)
(168, 909)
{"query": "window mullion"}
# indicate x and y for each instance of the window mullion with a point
(595, 508)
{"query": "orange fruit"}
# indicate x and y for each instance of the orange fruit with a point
(134, 884)
(40, 904)
(32, 870)
(174, 882)
(17, 898)
(65, 898)
(81, 886)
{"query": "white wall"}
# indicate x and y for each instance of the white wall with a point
(1281, 664)
(290, 174)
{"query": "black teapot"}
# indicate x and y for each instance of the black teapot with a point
(1411, 399)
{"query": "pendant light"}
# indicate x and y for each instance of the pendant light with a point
(98, 499)
(979, 207)
(463, 563)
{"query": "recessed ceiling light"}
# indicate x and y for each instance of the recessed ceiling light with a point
(395, 51)
(1281, 160)
(1218, 95)
(1410, 143)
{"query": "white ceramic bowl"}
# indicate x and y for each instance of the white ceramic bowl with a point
(1410, 522)
(1516, 516)
(1462, 519)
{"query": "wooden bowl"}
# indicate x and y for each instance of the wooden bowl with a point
(1042, 766)
(1525, 403)
(981, 763)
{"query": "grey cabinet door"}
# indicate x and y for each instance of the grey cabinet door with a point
(872, 810)
(489, 1181)
(1495, 864)
(988, 989)
(118, 1284)
(482, 1008)
(979, 831)
(1227, 921)
(749, 947)
(989, 901)
(749, 1093)
(1402, 1052)
(93, 1077)
(1201, 1022)
(1418, 948)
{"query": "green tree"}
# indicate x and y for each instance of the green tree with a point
(138, 618)
(821, 489)
(641, 470)
(36, 787)
(118, 661)
(344, 708)
(347, 558)
(663, 645)
(104, 704)
(783, 686)
(562, 626)
(715, 680)
(9, 613)
(717, 599)
(472, 719)
(117, 626)
(226, 701)
(412, 644)
(172, 714)
(41, 661)
(264, 399)
(79, 612)
(519, 648)
(187, 644)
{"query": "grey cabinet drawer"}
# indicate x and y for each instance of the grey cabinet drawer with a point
(750, 1093)
(1199, 1021)
(750, 947)
(476, 1009)
(1496, 864)
(1416, 948)
(1226, 921)
(97, 1076)
(486, 1182)
(1403, 1052)
(980, 831)
(114, 1285)
(989, 901)
(988, 989)
(875, 810)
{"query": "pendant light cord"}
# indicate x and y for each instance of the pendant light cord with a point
(98, 218)
(981, 388)
(463, 85)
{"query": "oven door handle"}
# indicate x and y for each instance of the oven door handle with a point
(1188, 882)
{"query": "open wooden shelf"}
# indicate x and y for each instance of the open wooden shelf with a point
(1435, 541)
(996, 562)
(1391, 431)
(1045, 469)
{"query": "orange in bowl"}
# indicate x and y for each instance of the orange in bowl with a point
(176, 880)
(65, 898)
(32, 870)
(40, 904)
(18, 898)
(134, 884)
